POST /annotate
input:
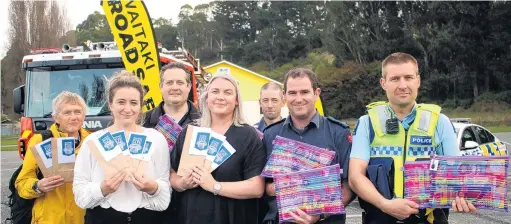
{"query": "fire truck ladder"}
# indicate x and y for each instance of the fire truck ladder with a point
(200, 74)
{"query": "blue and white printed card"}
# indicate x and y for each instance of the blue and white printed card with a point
(120, 139)
(108, 147)
(44, 151)
(215, 143)
(136, 144)
(225, 151)
(199, 141)
(66, 150)
(147, 151)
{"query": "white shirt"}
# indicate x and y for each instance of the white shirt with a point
(88, 176)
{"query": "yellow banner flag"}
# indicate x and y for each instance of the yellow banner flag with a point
(133, 32)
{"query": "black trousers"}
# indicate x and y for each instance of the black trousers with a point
(99, 215)
(378, 217)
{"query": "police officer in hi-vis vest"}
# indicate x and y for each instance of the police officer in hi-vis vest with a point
(392, 133)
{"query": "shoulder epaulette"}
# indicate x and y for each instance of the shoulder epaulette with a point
(333, 120)
(278, 122)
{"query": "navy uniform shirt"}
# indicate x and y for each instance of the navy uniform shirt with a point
(261, 125)
(321, 132)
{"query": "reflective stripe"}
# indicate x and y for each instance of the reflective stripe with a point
(501, 148)
(425, 117)
(493, 149)
(386, 151)
(486, 150)
(383, 115)
(420, 151)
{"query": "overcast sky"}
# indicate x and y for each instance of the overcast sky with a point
(77, 12)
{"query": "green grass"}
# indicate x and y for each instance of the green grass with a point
(497, 129)
(486, 115)
(9, 140)
(495, 121)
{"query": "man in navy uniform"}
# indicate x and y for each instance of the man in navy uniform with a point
(271, 101)
(306, 125)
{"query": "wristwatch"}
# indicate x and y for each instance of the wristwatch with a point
(216, 188)
(35, 188)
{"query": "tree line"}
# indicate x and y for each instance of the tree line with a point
(463, 48)
(31, 24)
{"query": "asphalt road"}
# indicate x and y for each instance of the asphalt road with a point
(10, 162)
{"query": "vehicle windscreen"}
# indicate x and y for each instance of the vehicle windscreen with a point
(44, 84)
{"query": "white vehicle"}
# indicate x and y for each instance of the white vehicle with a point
(474, 139)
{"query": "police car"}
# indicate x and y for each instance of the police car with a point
(474, 139)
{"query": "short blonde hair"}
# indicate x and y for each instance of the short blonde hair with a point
(398, 58)
(70, 98)
(238, 117)
(272, 86)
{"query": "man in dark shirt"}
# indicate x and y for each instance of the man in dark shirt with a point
(305, 124)
(175, 85)
(271, 101)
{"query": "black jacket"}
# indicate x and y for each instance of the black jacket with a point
(152, 117)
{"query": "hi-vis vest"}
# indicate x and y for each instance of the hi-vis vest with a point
(416, 143)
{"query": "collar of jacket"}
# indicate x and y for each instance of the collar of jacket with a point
(193, 113)
(58, 134)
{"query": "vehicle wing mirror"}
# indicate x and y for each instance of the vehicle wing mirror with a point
(18, 99)
(470, 145)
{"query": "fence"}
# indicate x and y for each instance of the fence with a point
(10, 129)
